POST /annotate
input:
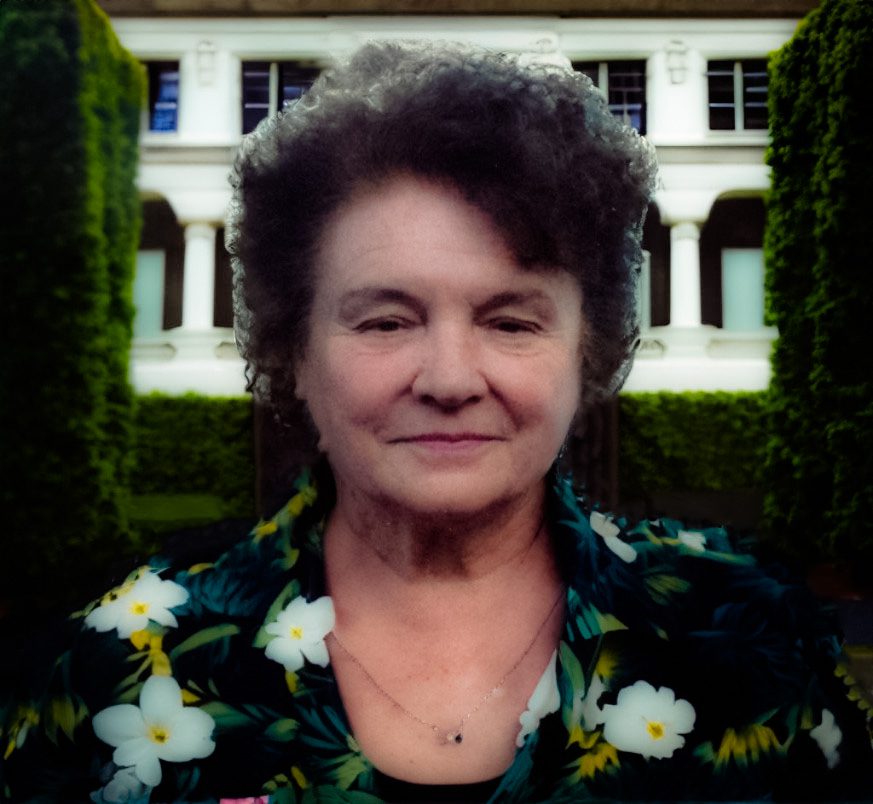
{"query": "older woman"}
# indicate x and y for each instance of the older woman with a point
(436, 256)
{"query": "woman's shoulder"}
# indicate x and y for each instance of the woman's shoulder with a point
(689, 623)
(162, 679)
(663, 566)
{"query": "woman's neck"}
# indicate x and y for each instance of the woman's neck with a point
(419, 577)
(398, 545)
(434, 615)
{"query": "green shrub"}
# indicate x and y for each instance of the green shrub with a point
(690, 442)
(819, 255)
(196, 445)
(69, 103)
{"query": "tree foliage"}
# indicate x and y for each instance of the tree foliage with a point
(70, 100)
(819, 256)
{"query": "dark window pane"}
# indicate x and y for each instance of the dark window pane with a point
(722, 118)
(720, 67)
(163, 78)
(222, 310)
(589, 68)
(634, 117)
(627, 92)
(721, 91)
(756, 116)
(755, 94)
(255, 93)
(294, 80)
(722, 103)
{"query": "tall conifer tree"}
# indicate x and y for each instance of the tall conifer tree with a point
(70, 100)
(819, 248)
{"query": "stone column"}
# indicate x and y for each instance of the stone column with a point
(198, 292)
(685, 274)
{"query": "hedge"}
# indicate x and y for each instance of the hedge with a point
(690, 442)
(819, 255)
(197, 447)
(70, 100)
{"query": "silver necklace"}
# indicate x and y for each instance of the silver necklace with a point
(456, 735)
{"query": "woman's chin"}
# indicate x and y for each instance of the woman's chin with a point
(459, 499)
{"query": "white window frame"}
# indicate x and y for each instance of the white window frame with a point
(739, 99)
(272, 85)
(602, 84)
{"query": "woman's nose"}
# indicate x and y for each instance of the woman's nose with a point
(450, 373)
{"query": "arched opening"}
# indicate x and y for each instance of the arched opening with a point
(159, 273)
(223, 303)
(656, 244)
(731, 264)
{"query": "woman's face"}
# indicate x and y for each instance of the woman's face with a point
(441, 376)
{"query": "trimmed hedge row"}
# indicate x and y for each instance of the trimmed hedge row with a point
(70, 100)
(196, 445)
(690, 442)
(820, 287)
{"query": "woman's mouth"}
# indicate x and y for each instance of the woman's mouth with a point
(449, 438)
(453, 443)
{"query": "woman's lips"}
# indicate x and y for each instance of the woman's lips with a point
(448, 442)
(450, 438)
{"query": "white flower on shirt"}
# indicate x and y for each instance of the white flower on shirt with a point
(647, 721)
(591, 715)
(123, 788)
(299, 633)
(693, 540)
(828, 735)
(160, 728)
(147, 598)
(608, 531)
(544, 700)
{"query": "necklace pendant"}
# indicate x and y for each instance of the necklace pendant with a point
(455, 737)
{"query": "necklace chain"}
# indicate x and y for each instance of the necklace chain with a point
(455, 736)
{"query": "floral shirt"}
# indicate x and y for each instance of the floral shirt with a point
(684, 671)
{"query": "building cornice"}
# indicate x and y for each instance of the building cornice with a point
(565, 8)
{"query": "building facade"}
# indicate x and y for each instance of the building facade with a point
(692, 83)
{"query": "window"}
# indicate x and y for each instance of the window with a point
(148, 293)
(269, 87)
(732, 264)
(742, 288)
(161, 241)
(737, 95)
(624, 84)
(163, 77)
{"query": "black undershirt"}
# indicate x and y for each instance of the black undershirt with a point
(396, 791)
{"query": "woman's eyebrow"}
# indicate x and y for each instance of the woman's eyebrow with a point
(541, 302)
(356, 301)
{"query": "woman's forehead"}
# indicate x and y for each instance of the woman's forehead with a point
(421, 248)
(399, 204)
(396, 227)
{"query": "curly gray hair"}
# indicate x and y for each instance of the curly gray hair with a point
(533, 146)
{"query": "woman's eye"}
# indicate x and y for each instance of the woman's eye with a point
(381, 325)
(514, 326)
